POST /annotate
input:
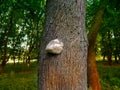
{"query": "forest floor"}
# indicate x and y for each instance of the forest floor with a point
(20, 77)
(109, 75)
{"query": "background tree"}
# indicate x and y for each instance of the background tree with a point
(65, 20)
(21, 25)
(96, 19)
(110, 32)
(93, 76)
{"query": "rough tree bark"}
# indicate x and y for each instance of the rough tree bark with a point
(93, 76)
(65, 20)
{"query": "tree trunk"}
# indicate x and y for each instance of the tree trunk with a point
(93, 76)
(116, 61)
(65, 20)
(7, 33)
(103, 57)
(28, 61)
(119, 57)
(109, 57)
(115, 55)
(4, 57)
(109, 48)
(14, 59)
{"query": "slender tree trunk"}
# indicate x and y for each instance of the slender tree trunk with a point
(109, 49)
(93, 76)
(7, 33)
(109, 57)
(103, 57)
(116, 61)
(116, 55)
(65, 20)
(29, 52)
(14, 59)
(119, 57)
(28, 61)
(4, 52)
(117, 45)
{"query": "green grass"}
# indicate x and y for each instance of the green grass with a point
(18, 67)
(109, 76)
(20, 77)
(24, 81)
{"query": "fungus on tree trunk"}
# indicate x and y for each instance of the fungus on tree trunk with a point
(54, 46)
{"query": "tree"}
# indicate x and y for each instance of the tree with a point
(100, 19)
(65, 20)
(93, 76)
(110, 32)
(21, 25)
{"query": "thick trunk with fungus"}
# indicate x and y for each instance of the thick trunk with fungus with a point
(65, 20)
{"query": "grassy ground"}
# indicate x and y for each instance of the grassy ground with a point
(19, 77)
(109, 76)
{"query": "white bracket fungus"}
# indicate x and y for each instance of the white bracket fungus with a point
(54, 46)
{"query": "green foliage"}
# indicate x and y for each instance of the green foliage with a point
(21, 25)
(108, 42)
